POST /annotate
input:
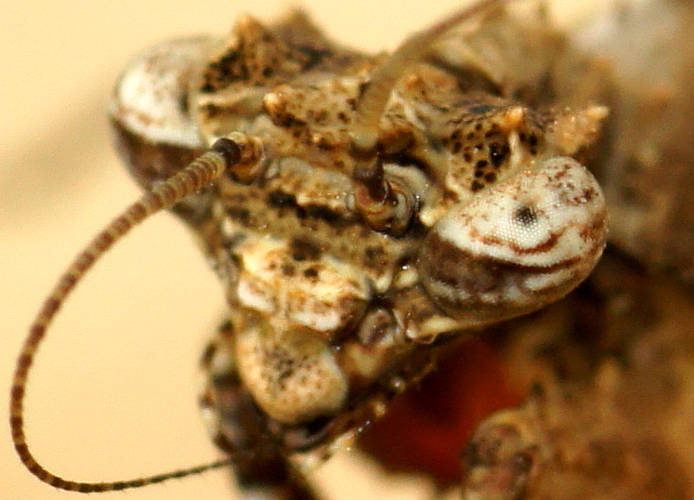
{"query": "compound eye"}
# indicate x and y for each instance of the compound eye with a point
(516, 247)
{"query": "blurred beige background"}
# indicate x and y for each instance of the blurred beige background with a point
(113, 393)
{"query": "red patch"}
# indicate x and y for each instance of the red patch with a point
(426, 428)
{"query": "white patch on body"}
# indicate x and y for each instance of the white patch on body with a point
(324, 301)
(149, 95)
(292, 374)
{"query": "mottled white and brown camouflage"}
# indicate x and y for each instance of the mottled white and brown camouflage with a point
(352, 243)
(330, 318)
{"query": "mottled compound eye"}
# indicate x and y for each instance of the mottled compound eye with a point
(516, 247)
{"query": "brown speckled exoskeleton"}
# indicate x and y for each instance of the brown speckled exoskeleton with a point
(361, 211)
(611, 410)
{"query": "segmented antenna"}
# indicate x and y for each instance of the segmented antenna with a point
(384, 205)
(373, 101)
(223, 155)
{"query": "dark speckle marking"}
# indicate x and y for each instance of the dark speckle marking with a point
(210, 110)
(311, 272)
(476, 186)
(588, 194)
(526, 216)
(498, 153)
(183, 103)
(321, 212)
(373, 252)
(240, 214)
(283, 366)
(304, 249)
(280, 199)
(288, 270)
(374, 256)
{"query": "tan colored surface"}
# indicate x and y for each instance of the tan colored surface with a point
(113, 395)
